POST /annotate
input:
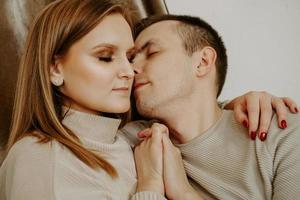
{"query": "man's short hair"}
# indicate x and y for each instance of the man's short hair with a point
(195, 34)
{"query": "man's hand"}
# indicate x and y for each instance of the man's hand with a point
(149, 160)
(255, 110)
(176, 182)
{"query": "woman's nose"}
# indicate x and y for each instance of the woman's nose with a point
(127, 71)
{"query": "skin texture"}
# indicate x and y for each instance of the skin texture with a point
(153, 65)
(98, 67)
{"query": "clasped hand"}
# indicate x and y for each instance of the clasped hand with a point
(159, 165)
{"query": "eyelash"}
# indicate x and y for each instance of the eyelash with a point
(106, 59)
(151, 54)
(109, 59)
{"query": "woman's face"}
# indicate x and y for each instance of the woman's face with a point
(97, 71)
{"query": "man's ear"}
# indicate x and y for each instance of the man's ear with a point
(205, 59)
(56, 72)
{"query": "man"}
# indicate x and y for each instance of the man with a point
(180, 70)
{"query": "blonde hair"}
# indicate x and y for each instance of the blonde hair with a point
(37, 106)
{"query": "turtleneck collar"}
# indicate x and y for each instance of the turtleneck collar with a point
(91, 127)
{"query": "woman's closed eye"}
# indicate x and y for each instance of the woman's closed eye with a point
(105, 54)
(105, 58)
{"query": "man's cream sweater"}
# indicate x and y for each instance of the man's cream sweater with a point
(34, 171)
(223, 163)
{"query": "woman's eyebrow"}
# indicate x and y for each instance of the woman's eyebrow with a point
(107, 45)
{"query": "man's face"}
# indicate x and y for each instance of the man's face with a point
(163, 69)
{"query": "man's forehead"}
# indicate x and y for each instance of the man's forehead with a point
(156, 33)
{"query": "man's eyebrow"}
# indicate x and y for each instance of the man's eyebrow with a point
(132, 50)
(146, 45)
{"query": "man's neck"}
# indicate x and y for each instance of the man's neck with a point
(187, 121)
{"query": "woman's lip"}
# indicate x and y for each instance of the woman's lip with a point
(121, 89)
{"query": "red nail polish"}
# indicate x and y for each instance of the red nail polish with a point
(296, 109)
(142, 133)
(245, 123)
(253, 135)
(283, 124)
(263, 136)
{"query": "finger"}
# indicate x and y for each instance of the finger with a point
(291, 104)
(229, 105)
(156, 134)
(136, 148)
(165, 143)
(253, 114)
(163, 128)
(266, 113)
(240, 115)
(166, 146)
(144, 133)
(281, 112)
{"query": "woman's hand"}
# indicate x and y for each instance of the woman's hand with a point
(255, 110)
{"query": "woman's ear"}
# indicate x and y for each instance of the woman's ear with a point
(205, 60)
(56, 72)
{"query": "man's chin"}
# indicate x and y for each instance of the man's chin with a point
(145, 109)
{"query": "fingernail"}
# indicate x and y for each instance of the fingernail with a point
(283, 124)
(141, 133)
(245, 123)
(296, 109)
(263, 136)
(253, 135)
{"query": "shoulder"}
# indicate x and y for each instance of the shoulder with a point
(284, 147)
(284, 144)
(291, 134)
(28, 155)
(28, 148)
(28, 161)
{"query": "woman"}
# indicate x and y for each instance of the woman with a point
(76, 66)
(73, 92)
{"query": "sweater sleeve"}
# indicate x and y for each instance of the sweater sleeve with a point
(222, 104)
(147, 195)
(26, 172)
(286, 183)
(130, 130)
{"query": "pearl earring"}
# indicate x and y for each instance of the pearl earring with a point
(58, 81)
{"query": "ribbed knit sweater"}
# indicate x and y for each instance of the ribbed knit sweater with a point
(223, 163)
(34, 171)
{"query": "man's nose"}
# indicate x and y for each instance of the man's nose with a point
(137, 66)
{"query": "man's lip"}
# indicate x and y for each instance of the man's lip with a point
(138, 85)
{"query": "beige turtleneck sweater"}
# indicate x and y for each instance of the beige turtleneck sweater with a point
(223, 163)
(34, 171)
